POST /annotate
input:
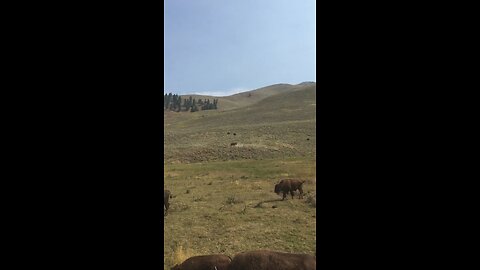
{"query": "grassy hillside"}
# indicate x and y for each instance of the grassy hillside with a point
(223, 195)
(279, 125)
(250, 97)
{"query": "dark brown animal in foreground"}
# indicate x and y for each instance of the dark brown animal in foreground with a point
(166, 195)
(289, 185)
(272, 260)
(207, 262)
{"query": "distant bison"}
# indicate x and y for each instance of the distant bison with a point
(166, 195)
(271, 260)
(289, 185)
(207, 262)
(233, 144)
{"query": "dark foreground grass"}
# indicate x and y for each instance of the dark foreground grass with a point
(229, 207)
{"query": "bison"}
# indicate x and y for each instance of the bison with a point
(166, 195)
(207, 262)
(272, 260)
(289, 185)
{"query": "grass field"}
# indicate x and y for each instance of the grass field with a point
(218, 189)
(278, 126)
(213, 209)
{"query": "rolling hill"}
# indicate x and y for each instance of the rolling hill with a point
(223, 200)
(269, 122)
(250, 97)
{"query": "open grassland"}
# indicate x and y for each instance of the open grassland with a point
(296, 139)
(277, 126)
(216, 208)
(223, 194)
(250, 97)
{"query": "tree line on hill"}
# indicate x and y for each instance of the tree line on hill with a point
(174, 102)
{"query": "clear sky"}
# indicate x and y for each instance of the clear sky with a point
(221, 47)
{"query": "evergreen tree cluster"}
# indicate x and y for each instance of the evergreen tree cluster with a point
(173, 102)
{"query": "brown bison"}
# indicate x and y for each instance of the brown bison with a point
(289, 185)
(207, 262)
(271, 260)
(166, 195)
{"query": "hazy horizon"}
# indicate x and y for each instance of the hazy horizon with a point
(222, 93)
(224, 47)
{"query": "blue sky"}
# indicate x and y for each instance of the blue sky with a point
(221, 47)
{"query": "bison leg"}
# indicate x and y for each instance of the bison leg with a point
(301, 193)
(166, 208)
(291, 193)
(284, 196)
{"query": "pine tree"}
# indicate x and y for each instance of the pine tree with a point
(179, 104)
(169, 100)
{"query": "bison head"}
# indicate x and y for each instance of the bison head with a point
(277, 188)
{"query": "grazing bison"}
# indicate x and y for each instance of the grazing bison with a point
(166, 195)
(271, 260)
(207, 262)
(289, 185)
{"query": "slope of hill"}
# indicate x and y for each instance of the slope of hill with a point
(250, 97)
(223, 200)
(270, 122)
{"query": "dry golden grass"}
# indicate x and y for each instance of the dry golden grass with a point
(180, 254)
(215, 209)
(223, 200)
